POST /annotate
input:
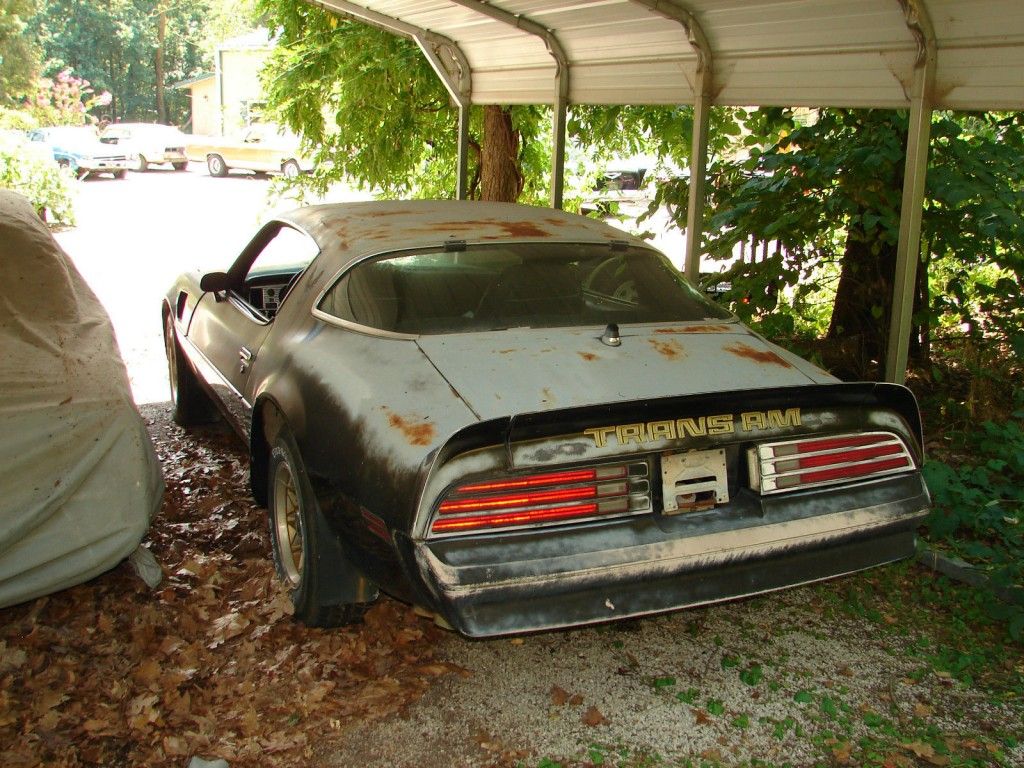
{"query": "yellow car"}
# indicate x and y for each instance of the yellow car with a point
(263, 148)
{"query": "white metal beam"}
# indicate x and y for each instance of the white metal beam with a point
(561, 100)
(908, 251)
(701, 115)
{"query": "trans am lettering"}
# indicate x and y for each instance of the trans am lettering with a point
(701, 426)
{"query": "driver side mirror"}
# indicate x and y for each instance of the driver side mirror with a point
(215, 282)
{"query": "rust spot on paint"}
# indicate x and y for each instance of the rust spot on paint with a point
(510, 228)
(421, 433)
(549, 397)
(507, 351)
(696, 329)
(671, 349)
(523, 229)
(386, 214)
(588, 356)
(757, 355)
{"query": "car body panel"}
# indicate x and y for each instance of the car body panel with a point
(156, 142)
(586, 371)
(390, 425)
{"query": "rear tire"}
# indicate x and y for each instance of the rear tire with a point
(299, 532)
(142, 165)
(216, 166)
(190, 405)
(120, 174)
(291, 169)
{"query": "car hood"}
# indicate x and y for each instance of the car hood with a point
(524, 370)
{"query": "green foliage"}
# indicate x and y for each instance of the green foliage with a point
(19, 54)
(367, 102)
(815, 190)
(979, 509)
(114, 45)
(16, 120)
(46, 186)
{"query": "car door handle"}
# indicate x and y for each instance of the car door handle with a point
(244, 359)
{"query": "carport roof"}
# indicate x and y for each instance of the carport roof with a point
(854, 53)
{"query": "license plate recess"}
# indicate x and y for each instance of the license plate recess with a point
(693, 480)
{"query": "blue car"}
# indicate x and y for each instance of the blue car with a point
(78, 148)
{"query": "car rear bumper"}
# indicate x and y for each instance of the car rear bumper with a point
(636, 567)
(104, 164)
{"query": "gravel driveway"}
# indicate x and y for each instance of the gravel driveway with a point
(787, 678)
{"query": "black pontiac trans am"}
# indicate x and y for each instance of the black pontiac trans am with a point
(517, 419)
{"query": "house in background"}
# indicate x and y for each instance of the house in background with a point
(229, 99)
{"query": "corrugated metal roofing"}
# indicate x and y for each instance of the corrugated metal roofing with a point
(770, 52)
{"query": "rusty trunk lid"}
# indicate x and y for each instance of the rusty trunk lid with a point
(525, 370)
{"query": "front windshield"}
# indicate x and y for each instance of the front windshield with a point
(536, 285)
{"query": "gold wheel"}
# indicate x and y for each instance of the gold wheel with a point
(288, 524)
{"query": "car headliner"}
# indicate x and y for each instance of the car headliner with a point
(346, 232)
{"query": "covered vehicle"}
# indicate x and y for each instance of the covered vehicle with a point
(148, 144)
(79, 148)
(518, 419)
(79, 474)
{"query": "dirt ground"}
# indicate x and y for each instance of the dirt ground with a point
(210, 664)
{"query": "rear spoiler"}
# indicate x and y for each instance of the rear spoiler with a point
(713, 418)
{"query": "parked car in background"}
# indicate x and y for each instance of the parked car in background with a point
(263, 148)
(149, 143)
(518, 419)
(79, 148)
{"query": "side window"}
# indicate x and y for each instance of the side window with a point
(276, 268)
(365, 295)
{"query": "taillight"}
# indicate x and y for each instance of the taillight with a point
(796, 464)
(544, 498)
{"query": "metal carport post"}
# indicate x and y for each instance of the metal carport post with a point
(912, 205)
(701, 116)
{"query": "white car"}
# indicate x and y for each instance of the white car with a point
(149, 143)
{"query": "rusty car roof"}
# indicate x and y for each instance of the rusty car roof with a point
(348, 231)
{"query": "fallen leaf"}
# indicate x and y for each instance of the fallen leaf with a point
(841, 752)
(559, 695)
(594, 718)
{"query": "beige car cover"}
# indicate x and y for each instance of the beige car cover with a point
(79, 479)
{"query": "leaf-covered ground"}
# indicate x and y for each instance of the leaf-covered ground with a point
(888, 668)
(210, 663)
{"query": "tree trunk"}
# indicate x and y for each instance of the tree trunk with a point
(500, 179)
(158, 64)
(860, 317)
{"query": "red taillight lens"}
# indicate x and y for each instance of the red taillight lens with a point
(544, 498)
(791, 465)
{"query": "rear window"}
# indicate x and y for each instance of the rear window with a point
(536, 285)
